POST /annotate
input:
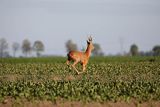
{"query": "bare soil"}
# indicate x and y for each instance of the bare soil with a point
(9, 102)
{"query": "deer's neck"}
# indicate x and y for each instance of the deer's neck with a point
(88, 51)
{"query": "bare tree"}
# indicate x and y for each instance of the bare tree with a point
(70, 46)
(38, 47)
(3, 46)
(15, 47)
(26, 47)
(97, 50)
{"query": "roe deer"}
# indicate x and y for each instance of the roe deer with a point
(81, 57)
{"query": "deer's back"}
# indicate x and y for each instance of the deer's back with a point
(76, 55)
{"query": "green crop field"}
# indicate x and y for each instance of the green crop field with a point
(106, 79)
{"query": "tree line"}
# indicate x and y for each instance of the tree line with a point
(26, 47)
(38, 47)
(134, 51)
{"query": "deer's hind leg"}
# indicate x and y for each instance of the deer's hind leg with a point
(68, 60)
(68, 63)
(73, 65)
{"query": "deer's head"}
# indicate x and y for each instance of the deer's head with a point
(89, 43)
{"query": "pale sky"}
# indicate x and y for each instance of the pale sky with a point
(56, 21)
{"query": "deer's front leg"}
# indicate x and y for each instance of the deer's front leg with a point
(84, 67)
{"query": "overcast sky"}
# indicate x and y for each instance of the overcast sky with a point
(111, 22)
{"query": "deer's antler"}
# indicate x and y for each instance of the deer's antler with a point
(90, 38)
